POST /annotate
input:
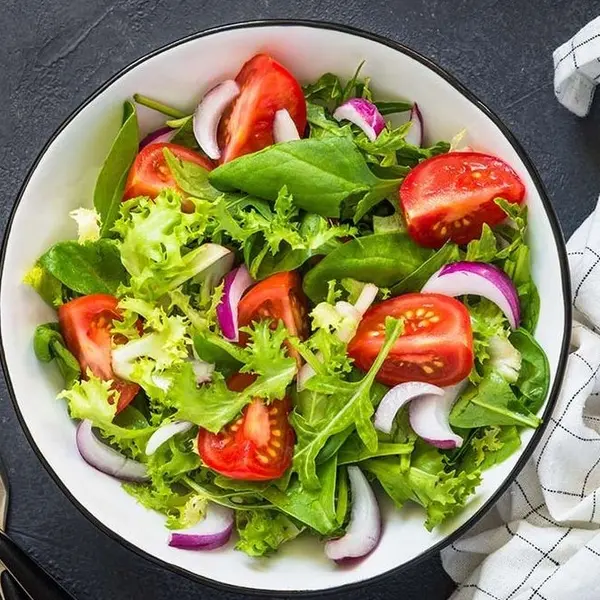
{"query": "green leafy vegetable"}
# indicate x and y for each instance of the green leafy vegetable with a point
(91, 399)
(261, 532)
(383, 259)
(49, 345)
(90, 268)
(354, 450)
(397, 106)
(46, 285)
(169, 111)
(490, 446)
(319, 173)
(110, 184)
(191, 177)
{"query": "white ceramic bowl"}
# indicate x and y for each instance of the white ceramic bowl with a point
(63, 177)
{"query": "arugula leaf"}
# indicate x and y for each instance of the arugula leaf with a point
(413, 282)
(46, 285)
(382, 259)
(110, 184)
(396, 106)
(534, 376)
(492, 402)
(313, 507)
(191, 177)
(327, 89)
(49, 345)
(346, 403)
(261, 532)
(324, 125)
(354, 450)
(441, 493)
(90, 268)
(319, 173)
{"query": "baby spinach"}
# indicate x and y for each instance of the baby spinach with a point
(319, 173)
(90, 268)
(491, 402)
(382, 259)
(110, 184)
(190, 177)
(534, 377)
(49, 345)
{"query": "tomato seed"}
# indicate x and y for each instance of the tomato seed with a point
(420, 312)
(435, 319)
(262, 458)
(438, 363)
(276, 432)
(427, 369)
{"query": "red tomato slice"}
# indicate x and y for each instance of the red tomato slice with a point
(451, 196)
(85, 324)
(265, 88)
(149, 173)
(278, 297)
(436, 347)
(257, 446)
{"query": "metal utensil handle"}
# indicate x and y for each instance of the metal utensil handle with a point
(31, 576)
(10, 589)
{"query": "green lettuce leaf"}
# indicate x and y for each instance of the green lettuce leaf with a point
(262, 532)
(45, 284)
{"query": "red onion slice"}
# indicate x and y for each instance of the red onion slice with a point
(284, 128)
(364, 529)
(415, 133)
(164, 134)
(362, 113)
(397, 397)
(236, 283)
(212, 532)
(429, 417)
(208, 114)
(479, 279)
(164, 433)
(106, 459)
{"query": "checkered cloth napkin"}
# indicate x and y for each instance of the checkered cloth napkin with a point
(542, 540)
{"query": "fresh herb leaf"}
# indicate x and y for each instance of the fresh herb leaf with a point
(383, 259)
(90, 268)
(110, 184)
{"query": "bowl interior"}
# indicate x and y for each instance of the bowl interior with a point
(64, 180)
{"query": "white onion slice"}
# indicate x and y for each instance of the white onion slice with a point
(397, 397)
(208, 114)
(351, 318)
(429, 417)
(203, 371)
(212, 532)
(362, 113)
(284, 128)
(107, 459)
(164, 433)
(236, 283)
(415, 133)
(366, 298)
(364, 530)
(479, 279)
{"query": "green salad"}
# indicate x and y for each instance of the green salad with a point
(289, 303)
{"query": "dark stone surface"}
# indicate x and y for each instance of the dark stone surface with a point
(54, 53)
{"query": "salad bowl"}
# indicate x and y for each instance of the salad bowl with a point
(64, 174)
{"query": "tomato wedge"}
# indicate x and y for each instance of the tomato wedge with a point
(257, 446)
(436, 347)
(149, 173)
(278, 297)
(85, 324)
(451, 196)
(265, 87)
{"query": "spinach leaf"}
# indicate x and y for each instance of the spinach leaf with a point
(314, 507)
(447, 254)
(319, 173)
(190, 177)
(491, 402)
(382, 259)
(389, 108)
(534, 377)
(184, 134)
(110, 184)
(89, 268)
(46, 285)
(49, 345)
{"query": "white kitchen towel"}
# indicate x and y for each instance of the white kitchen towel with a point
(577, 70)
(542, 540)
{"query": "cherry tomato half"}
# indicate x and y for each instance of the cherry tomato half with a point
(451, 196)
(436, 347)
(85, 324)
(265, 87)
(149, 174)
(257, 446)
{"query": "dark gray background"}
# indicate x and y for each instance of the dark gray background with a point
(54, 53)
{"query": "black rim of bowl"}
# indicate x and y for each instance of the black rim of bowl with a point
(556, 231)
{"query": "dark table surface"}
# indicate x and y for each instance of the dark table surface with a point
(54, 53)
